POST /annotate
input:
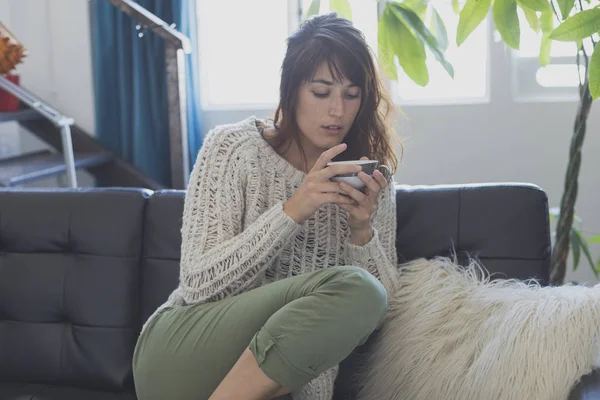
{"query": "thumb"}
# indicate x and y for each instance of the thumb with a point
(364, 158)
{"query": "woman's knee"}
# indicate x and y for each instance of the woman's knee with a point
(364, 293)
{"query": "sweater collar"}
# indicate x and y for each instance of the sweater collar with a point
(277, 161)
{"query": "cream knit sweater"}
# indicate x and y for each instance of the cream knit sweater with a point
(235, 235)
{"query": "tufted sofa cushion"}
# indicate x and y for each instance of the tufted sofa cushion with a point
(69, 287)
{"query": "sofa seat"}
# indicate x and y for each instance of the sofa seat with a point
(26, 391)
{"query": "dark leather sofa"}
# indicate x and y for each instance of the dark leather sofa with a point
(81, 270)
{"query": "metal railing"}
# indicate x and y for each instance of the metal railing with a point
(61, 121)
(176, 46)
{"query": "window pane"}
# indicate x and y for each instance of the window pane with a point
(470, 62)
(530, 40)
(559, 75)
(364, 17)
(242, 44)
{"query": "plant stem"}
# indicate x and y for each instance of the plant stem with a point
(560, 252)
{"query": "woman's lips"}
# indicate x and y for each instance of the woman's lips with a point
(333, 129)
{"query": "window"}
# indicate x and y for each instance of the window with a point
(242, 45)
(556, 81)
(470, 62)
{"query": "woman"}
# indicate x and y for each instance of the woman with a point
(283, 272)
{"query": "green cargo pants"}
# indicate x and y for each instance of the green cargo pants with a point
(296, 328)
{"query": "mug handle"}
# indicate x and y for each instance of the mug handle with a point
(388, 172)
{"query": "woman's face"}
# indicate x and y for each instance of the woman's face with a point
(326, 110)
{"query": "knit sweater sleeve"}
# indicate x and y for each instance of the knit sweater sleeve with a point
(219, 256)
(378, 256)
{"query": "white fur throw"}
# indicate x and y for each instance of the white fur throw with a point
(452, 334)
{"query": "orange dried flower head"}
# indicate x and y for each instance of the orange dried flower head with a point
(12, 52)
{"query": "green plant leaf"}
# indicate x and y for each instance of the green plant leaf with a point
(401, 43)
(413, 21)
(578, 26)
(546, 24)
(385, 27)
(584, 246)
(313, 9)
(438, 26)
(471, 15)
(565, 7)
(576, 247)
(507, 22)
(547, 21)
(594, 74)
(411, 55)
(531, 17)
(456, 6)
(535, 5)
(418, 6)
(594, 239)
(545, 50)
(342, 7)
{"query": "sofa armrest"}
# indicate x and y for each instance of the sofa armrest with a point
(588, 387)
(503, 225)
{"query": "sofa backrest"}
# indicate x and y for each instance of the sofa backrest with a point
(505, 226)
(70, 286)
(162, 242)
(81, 270)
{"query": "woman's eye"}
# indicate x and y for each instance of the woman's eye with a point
(352, 95)
(320, 95)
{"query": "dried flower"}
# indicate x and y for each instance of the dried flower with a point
(11, 51)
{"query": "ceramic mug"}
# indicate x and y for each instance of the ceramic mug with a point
(368, 167)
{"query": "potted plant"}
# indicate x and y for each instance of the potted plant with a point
(12, 53)
(403, 35)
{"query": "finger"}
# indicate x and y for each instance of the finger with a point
(328, 155)
(357, 195)
(380, 178)
(337, 198)
(348, 207)
(355, 211)
(338, 169)
(371, 183)
(329, 187)
(364, 158)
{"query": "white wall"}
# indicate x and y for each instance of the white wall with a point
(499, 141)
(58, 68)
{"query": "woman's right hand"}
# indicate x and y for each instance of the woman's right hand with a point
(317, 189)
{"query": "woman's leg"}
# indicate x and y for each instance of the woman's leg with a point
(295, 329)
(247, 380)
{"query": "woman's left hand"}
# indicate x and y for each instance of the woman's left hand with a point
(359, 220)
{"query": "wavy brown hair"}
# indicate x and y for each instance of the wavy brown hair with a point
(335, 41)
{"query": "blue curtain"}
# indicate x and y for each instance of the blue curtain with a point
(130, 84)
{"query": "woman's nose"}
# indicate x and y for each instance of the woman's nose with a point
(336, 108)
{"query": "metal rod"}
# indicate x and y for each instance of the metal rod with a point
(155, 24)
(35, 103)
(178, 127)
(176, 46)
(67, 145)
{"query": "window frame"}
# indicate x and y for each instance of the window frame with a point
(526, 88)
